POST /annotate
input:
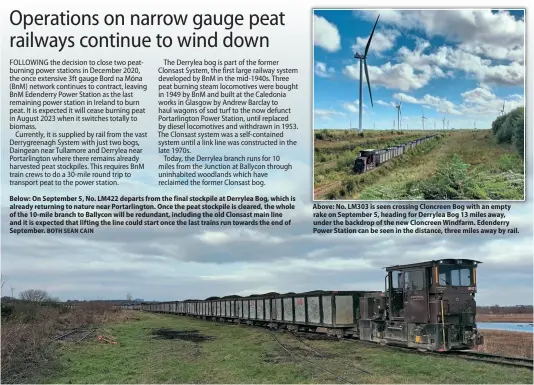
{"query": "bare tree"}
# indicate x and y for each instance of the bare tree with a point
(129, 297)
(34, 295)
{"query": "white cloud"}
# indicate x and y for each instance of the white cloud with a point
(478, 102)
(459, 60)
(479, 31)
(325, 34)
(393, 76)
(439, 104)
(383, 40)
(327, 114)
(385, 104)
(237, 235)
(322, 70)
(353, 106)
(482, 101)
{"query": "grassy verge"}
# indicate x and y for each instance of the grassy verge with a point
(200, 351)
(27, 351)
(463, 164)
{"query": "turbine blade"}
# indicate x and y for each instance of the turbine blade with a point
(370, 37)
(368, 83)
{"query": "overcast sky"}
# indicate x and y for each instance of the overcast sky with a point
(197, 262)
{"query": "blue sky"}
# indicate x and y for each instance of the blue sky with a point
(460, 65)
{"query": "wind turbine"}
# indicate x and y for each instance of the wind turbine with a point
(434, 124)
(447, 124)
(443, 123)
(423, 117)
(363, 62)
(501, 112)
(475, 124)
(399, 113)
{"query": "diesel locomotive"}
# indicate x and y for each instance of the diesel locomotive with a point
(429, 306)
(370, 159)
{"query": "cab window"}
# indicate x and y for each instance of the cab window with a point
(452, 275)
(414, 280)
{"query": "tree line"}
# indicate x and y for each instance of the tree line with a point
(497, 309)
(510, 128)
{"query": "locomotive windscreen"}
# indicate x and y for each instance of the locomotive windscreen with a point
(456, 275)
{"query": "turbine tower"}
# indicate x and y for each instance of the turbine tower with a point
(399, 114)
(423, 117)
(447, 124)
(475, 124)
(443, 123)
(501, 112)
(363, 62)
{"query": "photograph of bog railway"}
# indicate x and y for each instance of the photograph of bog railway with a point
(419, 104)
(423, 326)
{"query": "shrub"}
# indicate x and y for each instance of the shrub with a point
(518, 137)
(509, 129)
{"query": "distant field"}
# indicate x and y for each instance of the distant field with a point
(207, 352)
(505, 343)
(505, 318)
(462, 164)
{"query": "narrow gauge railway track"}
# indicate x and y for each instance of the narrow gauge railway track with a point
(322, 355)
(494, 359)
(80, 333)
(463, 354)
(326, 188)
(314, 364)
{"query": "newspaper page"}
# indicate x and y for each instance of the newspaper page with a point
(266, 192)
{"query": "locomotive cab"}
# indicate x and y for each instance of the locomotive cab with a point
(359, 165)
(364, 161)
(452, 302)
(431, 305)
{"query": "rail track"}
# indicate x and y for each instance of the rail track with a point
(324, 189)
(494, 359)
(76, 335)
(463, 354)
(314, 364)
(322, 355)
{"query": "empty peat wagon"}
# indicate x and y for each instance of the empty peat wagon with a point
(370, 159)
(332, 311)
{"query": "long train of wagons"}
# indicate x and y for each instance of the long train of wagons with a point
(370, 159)
(429, 306)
